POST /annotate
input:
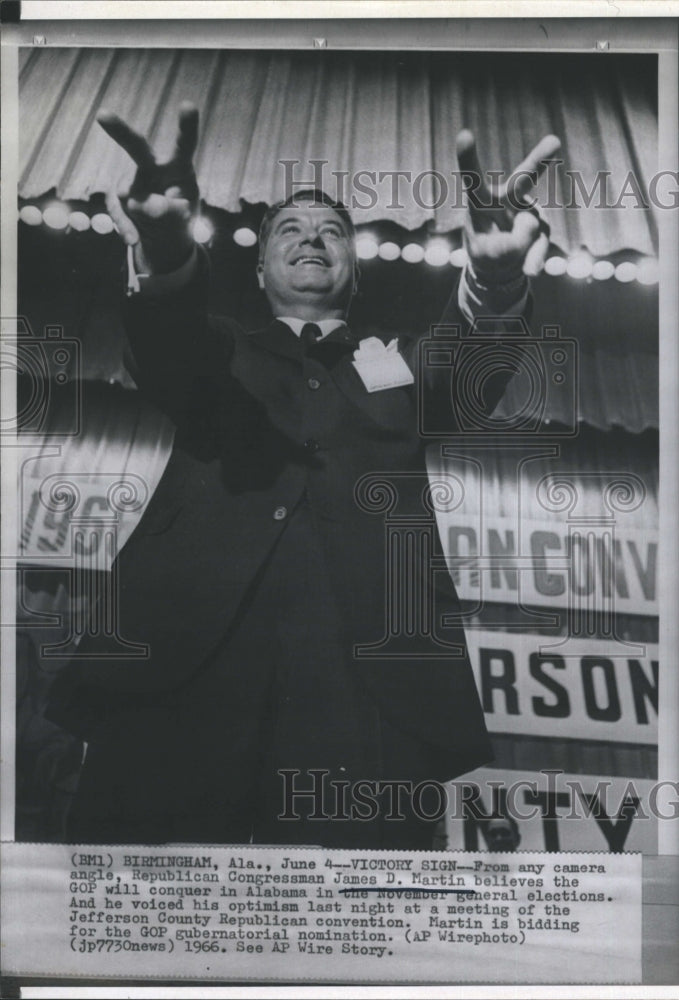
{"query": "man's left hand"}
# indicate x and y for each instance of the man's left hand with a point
(505, 236)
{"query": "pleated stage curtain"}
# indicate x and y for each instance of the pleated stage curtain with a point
(614, 390)
(359, 111)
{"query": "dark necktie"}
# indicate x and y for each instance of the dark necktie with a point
(311, 334)
(327, 350)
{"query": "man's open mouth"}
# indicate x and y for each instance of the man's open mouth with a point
(317, 261)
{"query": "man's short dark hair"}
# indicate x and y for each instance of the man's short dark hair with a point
(312, 195)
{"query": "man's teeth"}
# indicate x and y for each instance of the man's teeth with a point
(311, 260)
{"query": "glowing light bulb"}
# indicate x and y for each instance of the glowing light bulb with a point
(245, 237)
(79, 221)
(102, 224)
(31, 215)
(647, 271)
(602, 270)
(555, 266)
(627, 271)
(437, 253)
(413, 253)
(579, 266)
(56, 216)
(459, 257)
(366, 248)
(389, 251)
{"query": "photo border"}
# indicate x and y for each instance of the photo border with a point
(643, 27)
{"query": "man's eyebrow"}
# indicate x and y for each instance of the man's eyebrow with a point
(298, 218)
(288, 218)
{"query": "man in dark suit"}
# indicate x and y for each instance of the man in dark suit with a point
(259, 566)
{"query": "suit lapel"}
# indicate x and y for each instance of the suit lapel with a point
(278, 338)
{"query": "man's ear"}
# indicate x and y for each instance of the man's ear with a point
(260, 275)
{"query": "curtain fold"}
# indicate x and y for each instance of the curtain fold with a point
(613, 390)
(360, 112)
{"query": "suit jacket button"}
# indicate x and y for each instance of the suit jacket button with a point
(280, 513)
(313, 383)
(311, 445)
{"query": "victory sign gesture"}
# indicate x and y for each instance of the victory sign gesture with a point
(504, 234)
(154, 215)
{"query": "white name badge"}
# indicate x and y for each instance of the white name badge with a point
(381, 366)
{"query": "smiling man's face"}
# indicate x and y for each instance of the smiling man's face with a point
(309, 267)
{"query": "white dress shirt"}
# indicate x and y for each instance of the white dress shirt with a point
(326, 326)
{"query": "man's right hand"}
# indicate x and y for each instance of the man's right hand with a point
(154, 215)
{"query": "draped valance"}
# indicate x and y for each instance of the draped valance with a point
(359, 111)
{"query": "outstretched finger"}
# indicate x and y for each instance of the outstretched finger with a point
(531, 168)
(478, 192)
(536, 256)
(126, 227)
(132, 142)
(187, 137)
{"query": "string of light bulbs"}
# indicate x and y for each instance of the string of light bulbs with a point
(436, 253)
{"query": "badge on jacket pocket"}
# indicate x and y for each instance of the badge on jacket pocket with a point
(381, 366)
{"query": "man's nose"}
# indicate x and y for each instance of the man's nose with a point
(314, 239)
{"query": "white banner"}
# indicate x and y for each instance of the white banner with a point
(574, 688)
(552, 564)
(501, 810)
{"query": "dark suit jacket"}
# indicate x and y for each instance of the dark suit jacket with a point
(245, 411)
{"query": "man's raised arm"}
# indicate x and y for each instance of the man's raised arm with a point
(154, 216)
(506, 241)
(176, 358)
(505, 237)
